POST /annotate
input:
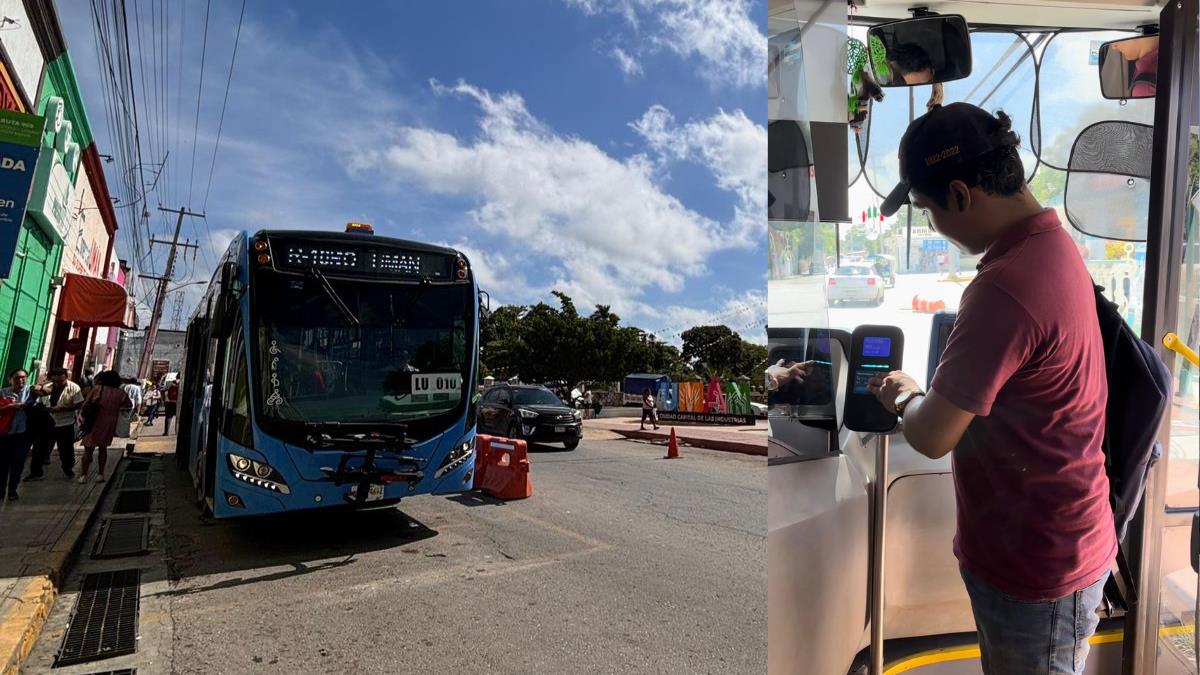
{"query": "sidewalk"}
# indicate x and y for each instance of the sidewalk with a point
(744, 439)
(39, 535)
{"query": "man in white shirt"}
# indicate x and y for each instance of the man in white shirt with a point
(64, 398)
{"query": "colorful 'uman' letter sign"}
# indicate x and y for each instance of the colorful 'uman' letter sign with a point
(714, 400)
(691, 397)
(666, 402)
(737, 399)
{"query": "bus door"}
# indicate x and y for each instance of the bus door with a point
(1162, 635)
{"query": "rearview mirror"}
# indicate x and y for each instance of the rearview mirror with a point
(1129, 68)
(924, 50)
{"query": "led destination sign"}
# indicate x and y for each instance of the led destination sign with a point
(367, 260)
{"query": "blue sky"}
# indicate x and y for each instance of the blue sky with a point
(613, 149)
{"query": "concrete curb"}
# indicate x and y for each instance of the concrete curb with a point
(697, 442)
(21, 628)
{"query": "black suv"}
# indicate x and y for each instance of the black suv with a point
(531, 413)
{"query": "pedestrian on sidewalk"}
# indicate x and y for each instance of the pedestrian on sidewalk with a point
(152, 399)
(133, 389)
(648, 410)
(101, 410)
(15, 401)
(588, 402)
(62, 398)
(172, 401)
(88, 381)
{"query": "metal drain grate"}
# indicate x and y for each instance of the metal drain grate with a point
(137, 465)
(104, 622)
(122, 536)
(134, 480)
(132, 501)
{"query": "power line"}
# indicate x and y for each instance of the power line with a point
(199, 92)
(216, 146)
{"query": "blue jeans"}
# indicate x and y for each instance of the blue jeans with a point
(1033, 638)
(14, 448)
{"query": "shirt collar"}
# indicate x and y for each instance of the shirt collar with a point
(1038, 223)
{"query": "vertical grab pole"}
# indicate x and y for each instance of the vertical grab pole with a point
(879, 517)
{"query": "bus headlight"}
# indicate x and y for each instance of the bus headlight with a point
(258, 474)
(456, 457)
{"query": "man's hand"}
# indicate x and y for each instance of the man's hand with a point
(782, 373)
(889, 387)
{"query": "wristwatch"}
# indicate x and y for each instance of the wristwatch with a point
(905, 398)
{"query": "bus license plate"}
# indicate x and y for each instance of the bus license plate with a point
(374, 493)
(559, 430)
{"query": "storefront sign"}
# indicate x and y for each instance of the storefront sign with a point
(53, 189)
(20, 144)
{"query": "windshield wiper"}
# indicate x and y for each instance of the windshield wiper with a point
(333, 295)
(334, 434)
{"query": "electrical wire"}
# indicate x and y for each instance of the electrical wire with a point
(199, 93)
(221, 123)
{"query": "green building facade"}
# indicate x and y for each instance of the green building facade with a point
(27, 293)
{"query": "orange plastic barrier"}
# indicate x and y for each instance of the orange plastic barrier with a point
(482, 452)
(926, 306)
(502, 467)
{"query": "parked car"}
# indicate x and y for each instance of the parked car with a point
(854, 283)
(531, 413)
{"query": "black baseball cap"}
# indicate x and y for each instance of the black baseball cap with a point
(938, 142)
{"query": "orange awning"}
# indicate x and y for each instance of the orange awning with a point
(90, 302)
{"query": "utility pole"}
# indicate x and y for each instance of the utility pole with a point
(161, 296)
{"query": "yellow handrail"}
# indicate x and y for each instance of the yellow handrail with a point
(1171, 341)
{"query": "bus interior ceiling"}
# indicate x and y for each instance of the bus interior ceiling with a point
(1105, 15)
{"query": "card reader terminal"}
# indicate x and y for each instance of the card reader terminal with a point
(875, 350)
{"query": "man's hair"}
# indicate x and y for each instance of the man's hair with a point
(14, 372)
(909, 58)
(998, 172)
(55, 372)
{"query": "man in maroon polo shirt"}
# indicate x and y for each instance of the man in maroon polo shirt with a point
(1019, 397)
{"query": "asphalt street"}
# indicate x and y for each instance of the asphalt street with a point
(620, 562)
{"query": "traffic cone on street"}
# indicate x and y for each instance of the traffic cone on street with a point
(672, 446)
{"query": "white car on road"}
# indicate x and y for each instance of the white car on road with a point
(854, 283)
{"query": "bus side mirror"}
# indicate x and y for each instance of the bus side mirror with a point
(924, 50)
(230, 284)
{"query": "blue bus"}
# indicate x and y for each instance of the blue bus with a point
(327, 368)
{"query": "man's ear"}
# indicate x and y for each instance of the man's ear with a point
(960, 194)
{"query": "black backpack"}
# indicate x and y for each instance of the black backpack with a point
(1139, 392)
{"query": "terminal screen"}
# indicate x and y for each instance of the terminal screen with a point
(878, 347)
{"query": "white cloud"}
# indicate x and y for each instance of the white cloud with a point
(607, 227)
(497, 274)
(745, 314)
(731, 145)
(719, 34)
(628, 64)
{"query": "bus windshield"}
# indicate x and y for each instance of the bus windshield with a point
(337, 350)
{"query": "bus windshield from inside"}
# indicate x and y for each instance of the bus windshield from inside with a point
(354, 351)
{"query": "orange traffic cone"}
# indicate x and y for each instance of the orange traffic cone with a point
(672, 446)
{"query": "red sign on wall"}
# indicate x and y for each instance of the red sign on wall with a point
(9, 99)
